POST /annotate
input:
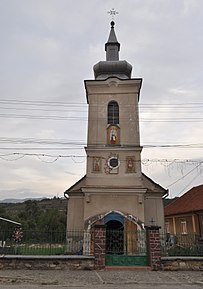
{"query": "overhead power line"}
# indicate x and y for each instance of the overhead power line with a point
(40, 102)
(191, 181)
(197, 166)
(29, 104)
(81, 109)
(40, 148)
(82, 143)
(77, 111)
(79, 118)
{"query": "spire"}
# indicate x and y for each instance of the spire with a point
(112, 67)
(112, 47)
(112, 35)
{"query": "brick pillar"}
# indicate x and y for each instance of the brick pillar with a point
(99, 246)
(154, 247)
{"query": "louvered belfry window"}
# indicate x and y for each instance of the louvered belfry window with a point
(113, 113)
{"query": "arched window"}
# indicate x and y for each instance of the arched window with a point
(113, 112)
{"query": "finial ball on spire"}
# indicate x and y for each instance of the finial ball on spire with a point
(112, 24)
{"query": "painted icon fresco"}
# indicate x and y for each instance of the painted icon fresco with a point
(113, 135)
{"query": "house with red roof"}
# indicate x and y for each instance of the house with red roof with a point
(185, 214)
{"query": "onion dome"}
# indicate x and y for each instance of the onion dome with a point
(112, 66)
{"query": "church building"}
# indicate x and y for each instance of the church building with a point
(114, 191)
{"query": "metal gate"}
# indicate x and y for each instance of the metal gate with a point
(126, 248)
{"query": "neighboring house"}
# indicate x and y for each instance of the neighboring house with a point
(185, 215)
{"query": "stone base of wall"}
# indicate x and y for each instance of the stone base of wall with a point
(87, 262)
(47, 262)
(182, 263)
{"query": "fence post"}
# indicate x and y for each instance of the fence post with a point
(99, 246)
(154, 246)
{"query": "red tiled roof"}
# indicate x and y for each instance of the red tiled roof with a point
(189, 202)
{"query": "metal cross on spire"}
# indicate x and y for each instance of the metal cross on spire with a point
(112, 13)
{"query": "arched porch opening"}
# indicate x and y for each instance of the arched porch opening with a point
(125, 238)
(114, 237)
(103, 218)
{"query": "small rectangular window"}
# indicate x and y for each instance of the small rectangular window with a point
(167, 227)
(183, 227)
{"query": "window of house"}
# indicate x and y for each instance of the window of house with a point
(113, 112)
(183, 227)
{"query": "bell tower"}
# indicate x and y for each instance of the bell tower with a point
(113, 145)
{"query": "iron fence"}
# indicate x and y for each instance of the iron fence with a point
(81, 243)
(125, 242)
(181, 245)
(20, 242)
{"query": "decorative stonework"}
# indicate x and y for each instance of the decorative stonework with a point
(96, 164)
(130, 164)
(99, 219)
(112, 164)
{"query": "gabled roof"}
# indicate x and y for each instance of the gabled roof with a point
(147, 182)
(76, 186)
(156, 187)
(192, 201)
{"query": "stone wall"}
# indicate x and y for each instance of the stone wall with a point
(47, 262)
(181, 263)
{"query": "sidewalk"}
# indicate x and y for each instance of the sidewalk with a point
(94, 278)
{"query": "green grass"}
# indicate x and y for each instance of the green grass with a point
(48, 250)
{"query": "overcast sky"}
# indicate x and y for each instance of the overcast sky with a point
(48, 48)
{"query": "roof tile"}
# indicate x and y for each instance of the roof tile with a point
(189, 202)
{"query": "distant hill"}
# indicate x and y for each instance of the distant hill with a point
(14, 201)
(60, 203)
(15, 205)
